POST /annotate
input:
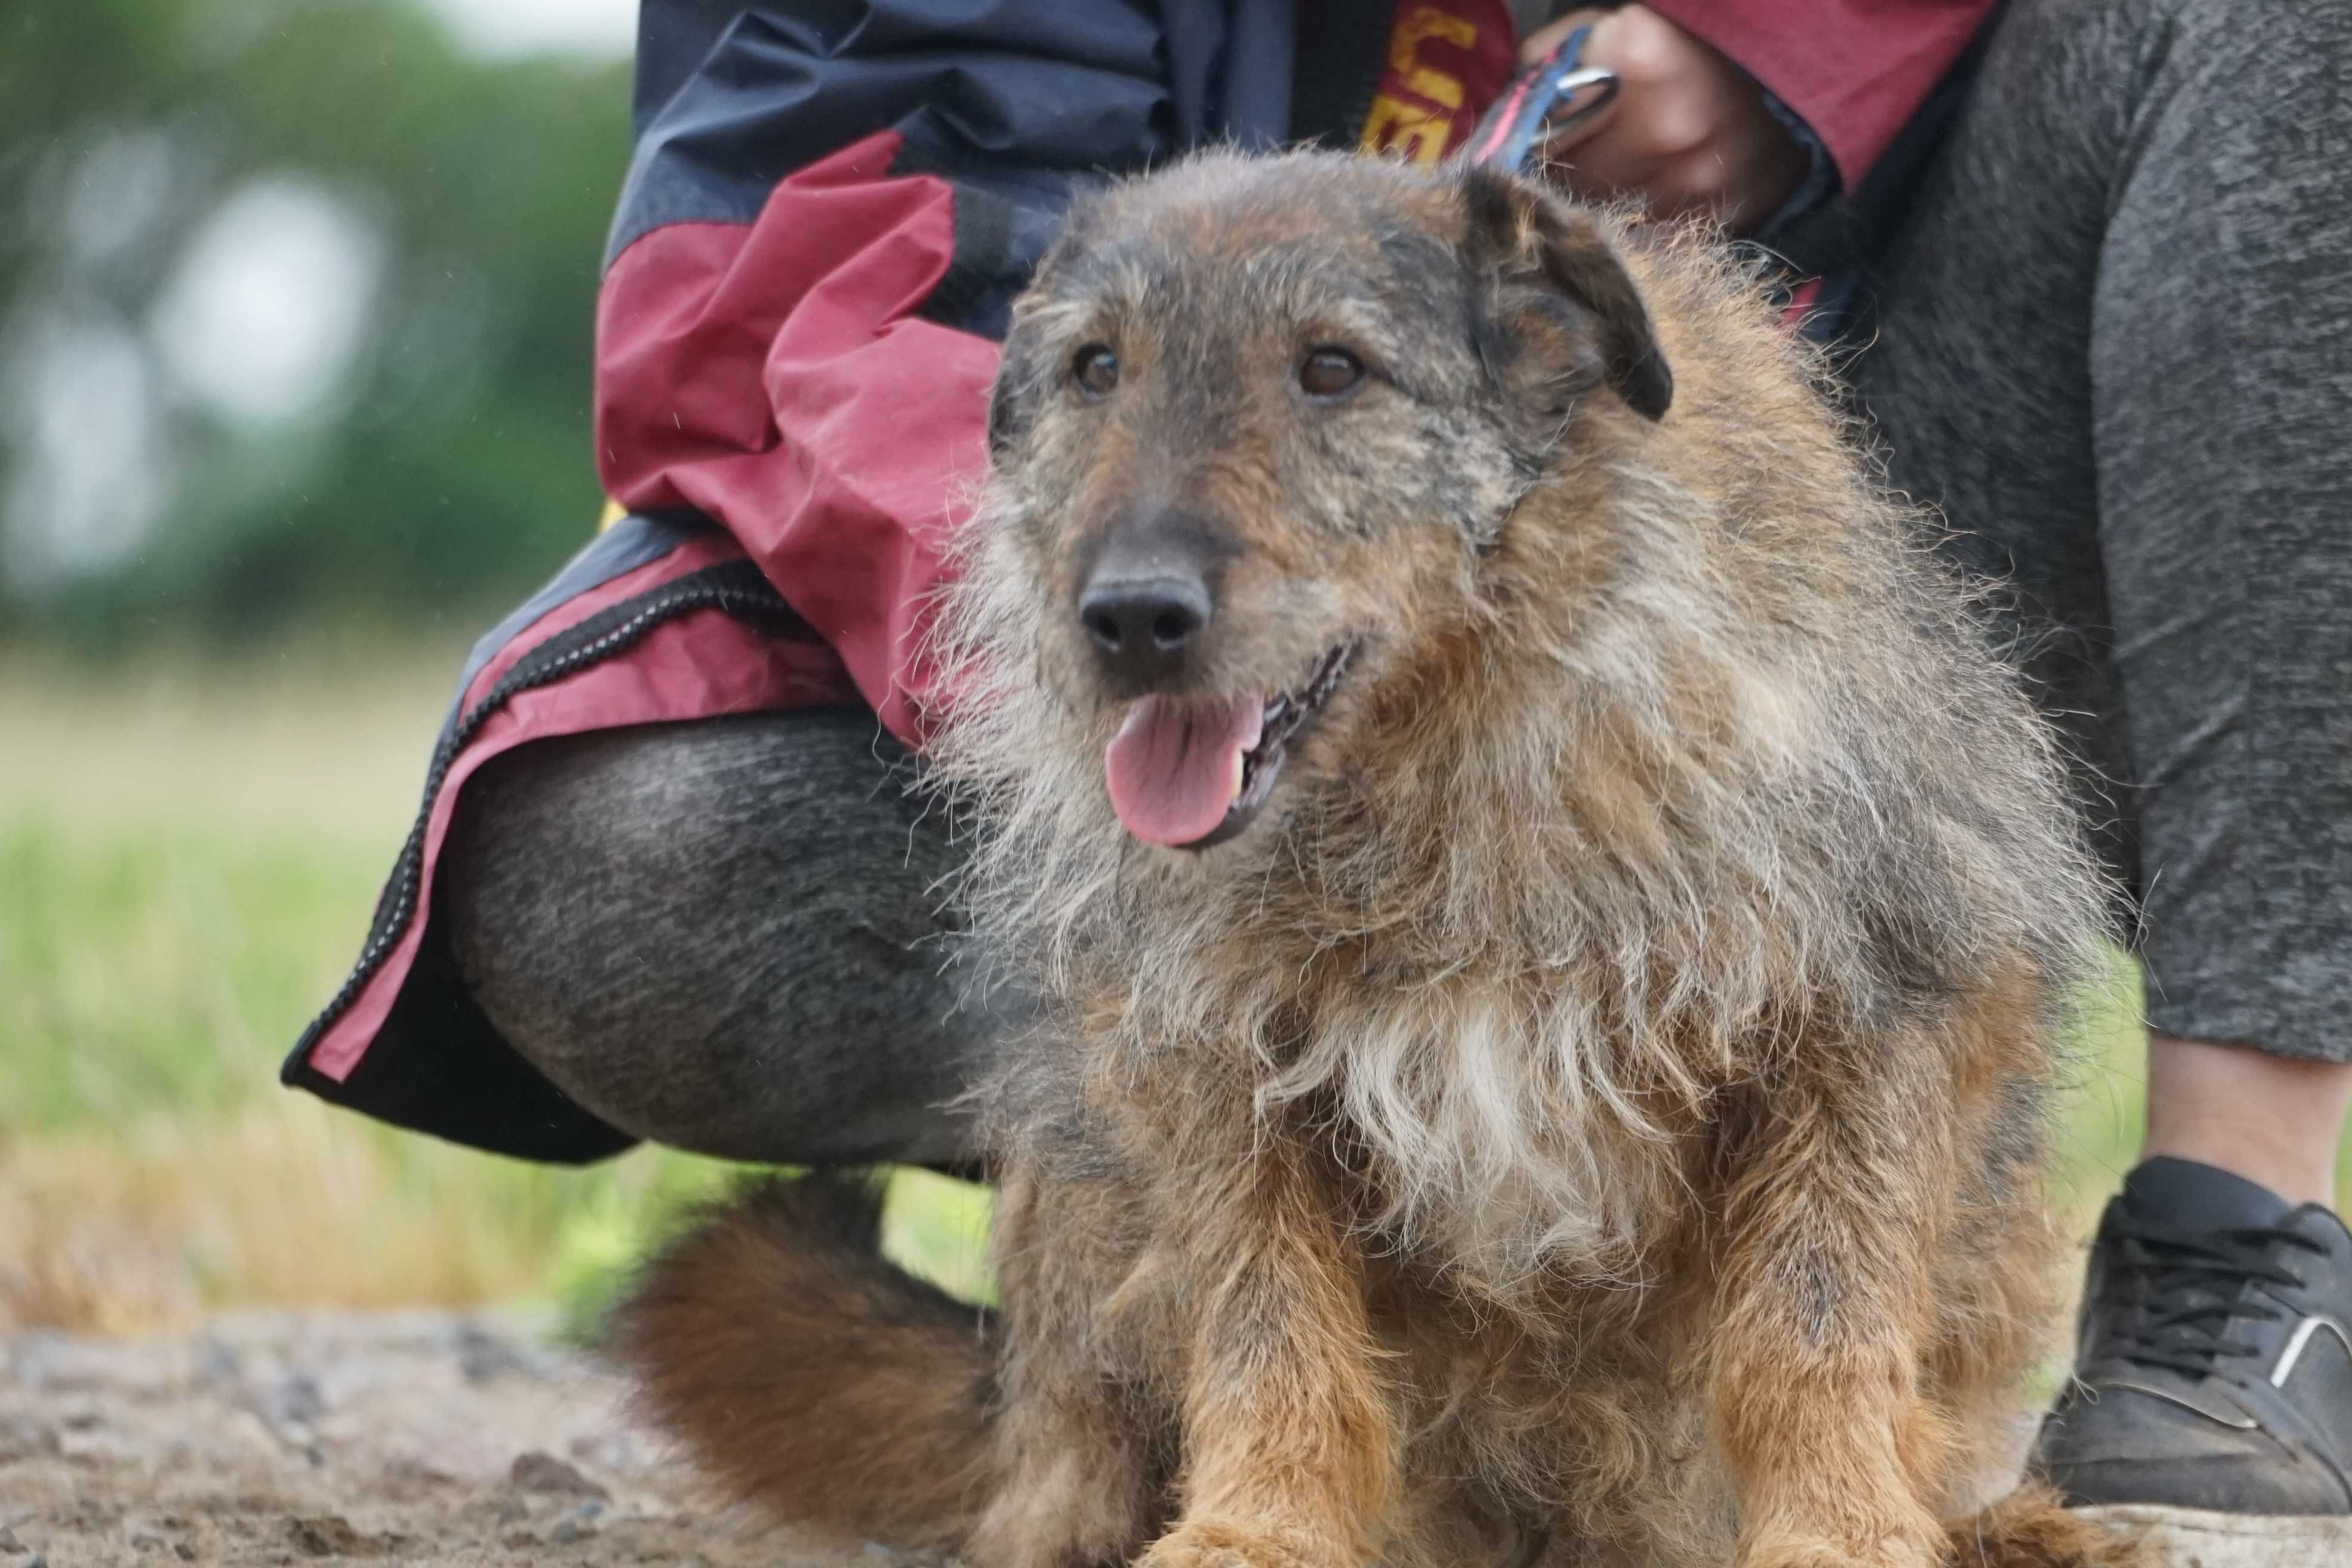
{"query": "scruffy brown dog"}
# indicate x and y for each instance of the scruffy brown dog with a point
(1553, 932)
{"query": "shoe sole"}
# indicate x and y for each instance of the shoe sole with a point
(2200, 1538)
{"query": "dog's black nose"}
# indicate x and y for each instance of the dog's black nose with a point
(1150, 594)
(1142, 626)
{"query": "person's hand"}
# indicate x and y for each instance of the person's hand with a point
(1688, 131)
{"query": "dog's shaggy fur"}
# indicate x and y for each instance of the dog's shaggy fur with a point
(1594, 1113)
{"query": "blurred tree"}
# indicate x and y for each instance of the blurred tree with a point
(295, 307)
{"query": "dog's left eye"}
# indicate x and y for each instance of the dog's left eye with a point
(1329, 372)
(1096, 369)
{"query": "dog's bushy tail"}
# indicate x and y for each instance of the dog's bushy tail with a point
(808, 1374)
(2031, 1529)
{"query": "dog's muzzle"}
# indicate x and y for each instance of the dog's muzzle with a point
(1190, 773)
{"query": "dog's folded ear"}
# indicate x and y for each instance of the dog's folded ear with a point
(1561, 313)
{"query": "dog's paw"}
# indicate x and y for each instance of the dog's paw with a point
(1215, 1544)
(1894, 1550)
(1067, 1512)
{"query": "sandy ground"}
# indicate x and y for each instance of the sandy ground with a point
(437, 1438)
(409, 1437)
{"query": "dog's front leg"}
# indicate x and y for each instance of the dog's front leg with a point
(1836, 1453)
(1289, 1448)
(1074, 1435)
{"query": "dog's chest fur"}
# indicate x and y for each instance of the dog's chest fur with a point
(1494, 1147)
(1494, 1130)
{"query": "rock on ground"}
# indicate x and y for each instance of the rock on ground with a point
(324, 1438)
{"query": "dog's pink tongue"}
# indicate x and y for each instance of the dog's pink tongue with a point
(1171, 767)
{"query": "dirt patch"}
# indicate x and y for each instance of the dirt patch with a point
(324, 1438)
(304, 1440)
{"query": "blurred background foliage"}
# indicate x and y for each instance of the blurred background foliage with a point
(295, 313)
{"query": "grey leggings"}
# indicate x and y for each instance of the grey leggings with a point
(723, 935)
(2115, 345)
(2114, 342)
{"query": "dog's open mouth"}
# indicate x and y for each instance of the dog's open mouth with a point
(1189, 774)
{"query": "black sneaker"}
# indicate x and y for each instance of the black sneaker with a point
(2215, 1362)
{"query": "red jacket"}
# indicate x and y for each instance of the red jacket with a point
(822, 229)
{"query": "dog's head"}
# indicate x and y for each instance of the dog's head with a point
(1258, 423)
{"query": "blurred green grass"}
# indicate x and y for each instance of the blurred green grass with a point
(189, 852)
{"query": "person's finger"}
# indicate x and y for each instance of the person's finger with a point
(1687, 133)
(1546, 39)
(1562, 140)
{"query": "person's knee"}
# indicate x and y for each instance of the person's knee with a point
(551, 844)
(662, 842)
(725, 936)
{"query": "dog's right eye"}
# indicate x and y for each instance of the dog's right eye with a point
(1095, 368)
(1328, 373)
